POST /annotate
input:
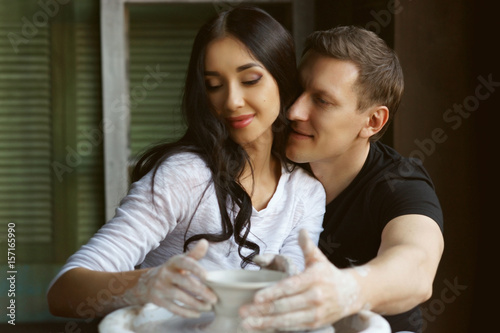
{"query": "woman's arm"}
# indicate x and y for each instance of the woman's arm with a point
(88, 294)
(176, 285)
(140, 224)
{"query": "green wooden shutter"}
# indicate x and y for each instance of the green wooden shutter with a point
(160, 41)
(50, 113)
(51, 163)
(90, 175)
(25, 130)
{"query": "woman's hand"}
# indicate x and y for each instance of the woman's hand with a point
(177, 285)
(276, 262)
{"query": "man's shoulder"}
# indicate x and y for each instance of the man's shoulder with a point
(388, 167)
(387, 178)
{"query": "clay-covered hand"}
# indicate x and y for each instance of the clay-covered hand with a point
(276, 262)
(177, 285)
(319, 296)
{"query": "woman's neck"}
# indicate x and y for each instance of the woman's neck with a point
(260, 178)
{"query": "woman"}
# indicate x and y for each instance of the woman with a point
(226, 181)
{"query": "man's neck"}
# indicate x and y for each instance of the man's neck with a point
(338, 172)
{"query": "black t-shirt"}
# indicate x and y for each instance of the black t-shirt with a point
(387, 186)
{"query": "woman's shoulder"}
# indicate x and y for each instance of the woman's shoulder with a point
(184, 165)
(302, 180)
(185, 159)
(305, 191)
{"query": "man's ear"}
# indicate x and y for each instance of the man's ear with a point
(377, 117)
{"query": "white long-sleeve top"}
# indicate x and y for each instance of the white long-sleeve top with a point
(147, 230)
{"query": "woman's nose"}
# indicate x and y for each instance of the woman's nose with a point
(235, 98)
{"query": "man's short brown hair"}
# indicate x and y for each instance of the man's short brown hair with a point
(380, 80)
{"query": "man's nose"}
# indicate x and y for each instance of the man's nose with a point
(298, 110)
(235, 98)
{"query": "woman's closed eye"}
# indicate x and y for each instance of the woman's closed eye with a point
(252, 82)
(212, 85)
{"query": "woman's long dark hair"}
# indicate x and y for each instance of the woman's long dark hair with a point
(208, 137)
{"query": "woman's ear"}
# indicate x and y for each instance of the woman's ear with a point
(377, 117)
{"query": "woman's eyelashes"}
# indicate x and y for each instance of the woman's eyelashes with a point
(252, 82)
(212, 86)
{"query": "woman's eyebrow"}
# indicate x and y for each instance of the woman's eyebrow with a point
(211, 73)
(247, 66)
(239, 69)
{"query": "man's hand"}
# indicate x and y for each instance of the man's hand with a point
(177, 285)
(317, 297)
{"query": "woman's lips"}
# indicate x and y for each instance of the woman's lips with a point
(240, 121)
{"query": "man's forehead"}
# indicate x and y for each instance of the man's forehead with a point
(321, 69)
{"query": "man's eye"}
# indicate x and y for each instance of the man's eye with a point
(320, 100)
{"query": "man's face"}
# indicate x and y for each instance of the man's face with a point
(325, 119)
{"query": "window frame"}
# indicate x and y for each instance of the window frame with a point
(116, 107)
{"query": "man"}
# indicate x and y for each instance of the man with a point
(382, 239)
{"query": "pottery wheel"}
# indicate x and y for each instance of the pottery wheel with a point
(177, 324)
(152, 319)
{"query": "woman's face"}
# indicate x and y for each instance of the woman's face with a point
(241, 91)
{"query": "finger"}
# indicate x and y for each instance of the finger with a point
(294, 303)
(199, 250)
(177, 309)
(284, 264)
(186, 264)
(290, 286)
(311, 252)
(263, 260)
(276, 263)
(195, 287)
(181, 298)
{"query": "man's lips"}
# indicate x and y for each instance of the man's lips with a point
(240, 121)
(300, 134)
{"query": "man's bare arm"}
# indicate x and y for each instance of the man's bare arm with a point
(398, 279)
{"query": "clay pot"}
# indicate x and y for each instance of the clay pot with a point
(233, 289)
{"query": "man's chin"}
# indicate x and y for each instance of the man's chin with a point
(296, 155)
